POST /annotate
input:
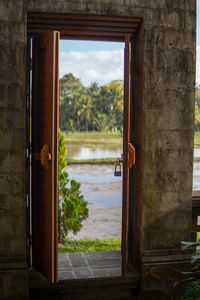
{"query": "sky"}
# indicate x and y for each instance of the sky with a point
(103, 62)
(92, 61)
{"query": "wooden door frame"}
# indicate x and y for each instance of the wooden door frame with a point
(106, 28)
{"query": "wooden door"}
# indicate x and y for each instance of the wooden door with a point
(128, 152)
(45, 154)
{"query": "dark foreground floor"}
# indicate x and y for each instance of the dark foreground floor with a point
(89, 265)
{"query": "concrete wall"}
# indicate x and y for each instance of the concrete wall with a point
(168, 106)
(13, 269)
(168, 111)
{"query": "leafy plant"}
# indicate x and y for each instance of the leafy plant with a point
(191, 277)
(72, 208)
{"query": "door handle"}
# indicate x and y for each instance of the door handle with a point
(131, 152)
(44, 156)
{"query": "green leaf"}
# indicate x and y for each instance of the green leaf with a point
(194, 228)
(195, 258)
(167, 272)
(196, 267)
(173, 274)
(186, 245)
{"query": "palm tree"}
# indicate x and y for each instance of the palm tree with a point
(116, 99)
(86, 109)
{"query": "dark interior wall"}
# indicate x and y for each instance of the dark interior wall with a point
(168, 112)
(13, 268)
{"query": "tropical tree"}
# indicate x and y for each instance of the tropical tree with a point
(95, 108)
(72, 208)
(116, 97)
(85, 112)
(68, 84)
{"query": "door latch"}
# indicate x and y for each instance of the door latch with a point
(131, 152)
(44, 156)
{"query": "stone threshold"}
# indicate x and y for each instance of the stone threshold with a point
(89, 265)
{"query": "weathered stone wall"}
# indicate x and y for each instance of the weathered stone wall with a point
(13, 267)
(168, 111)
(168, 107)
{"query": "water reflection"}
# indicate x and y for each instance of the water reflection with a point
(102, 151)
(103, 192)
(81, 152)
(196, 152)
(196, 176)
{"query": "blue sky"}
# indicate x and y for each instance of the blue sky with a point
(103, 61)
(92, 61)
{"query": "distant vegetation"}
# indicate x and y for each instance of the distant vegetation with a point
(94, 138)
(197, 108)
(94, 108)
(92, 161)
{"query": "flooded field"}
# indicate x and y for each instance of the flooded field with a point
(103, 190)
(196, 176)
(101, 151)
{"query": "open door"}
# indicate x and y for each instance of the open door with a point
(45, 99)
(128, 152)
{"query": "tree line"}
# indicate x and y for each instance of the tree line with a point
(94, 108)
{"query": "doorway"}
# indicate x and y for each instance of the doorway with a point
(51, 160)
(91, 123)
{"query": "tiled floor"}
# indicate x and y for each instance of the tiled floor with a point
(89, 265)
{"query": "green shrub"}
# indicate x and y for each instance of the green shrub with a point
(72, 208)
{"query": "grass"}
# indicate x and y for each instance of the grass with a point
(197, 139)
(72, 246)
(196, 159)
(94, 161)
(93, 137)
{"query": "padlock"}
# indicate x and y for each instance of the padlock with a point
(118, 171)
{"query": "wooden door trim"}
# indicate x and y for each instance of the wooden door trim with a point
(137, 136)
(56, 143)
(28, 152)
(126, 140)
(84, 26)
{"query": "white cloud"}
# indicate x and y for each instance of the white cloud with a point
(100, 66)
